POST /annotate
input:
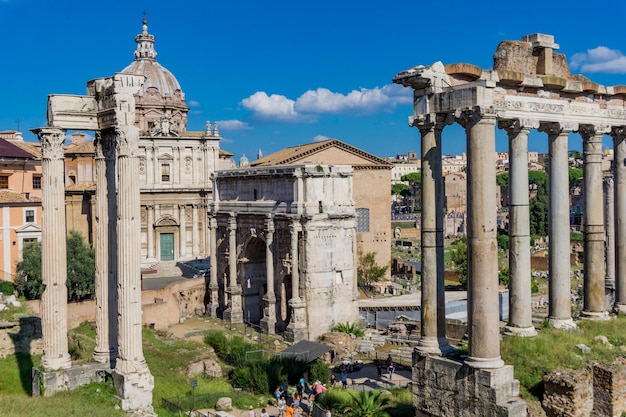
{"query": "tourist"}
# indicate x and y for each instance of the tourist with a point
(251, 412)
(344, 379)
(391, 368)
(327, 413)
(333, 380)
(379, 369)
(282, 404)
(264, 413)
(288, 411)
(297, 411)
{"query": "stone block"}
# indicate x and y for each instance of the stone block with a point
(224, 403)
(47, 383)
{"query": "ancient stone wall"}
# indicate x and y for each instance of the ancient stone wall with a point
(21, 337)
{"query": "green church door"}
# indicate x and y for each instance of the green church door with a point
(167, 246)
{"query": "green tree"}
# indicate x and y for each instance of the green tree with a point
(81, 266)
(539, 215)
(28, 271)
(368, 271)
(503, 179)
(458, 257)
(575, 177)
(415, 177)
(540, 180)
(398, 188)
(367, 404)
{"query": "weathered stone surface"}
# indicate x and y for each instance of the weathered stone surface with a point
(21, 337)
(208, 367)
(224, 403)
(609, 388)
(47, 383)
(568, 393)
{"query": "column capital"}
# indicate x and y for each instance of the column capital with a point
(557, 128)
(518, 125)
(618, 132)
(127, 140)
(51, 142)
(295, 226)
(588, 132)
(471, 116)
(97, 144)
(269, 225)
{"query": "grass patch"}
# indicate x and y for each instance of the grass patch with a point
(554, 349)
(16, 313)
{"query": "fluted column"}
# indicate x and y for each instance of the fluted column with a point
(619, 170)
(296, 329)
(195, 233)
(150, 231)
(183, 231)
(130, 343)
(560, 303)
(482, 248)
(520, 311)
(609, 243)
(106, 322)
(53, 251)
(233, 312)
(432, 341)
(268, 322)
(213, 285)
(594, 305)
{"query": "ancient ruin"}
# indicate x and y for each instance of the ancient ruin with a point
(529, 87)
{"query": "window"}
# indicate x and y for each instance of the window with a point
(362, 220)
(4, 181)
(165, 172)
(36, 182)
(29, 216)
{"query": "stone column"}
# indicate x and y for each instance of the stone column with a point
(195, 233)
(182, 231)
(296, 329)
(234, 311)
(134, 383)
(609, 243)
(619, 170)
(150, 231)
(482, 248)
(268, 322)
(53, 251)
(593, 218)
(560, 303)
(106, 323)
(432, 238)
(520, 311)
(213, 285)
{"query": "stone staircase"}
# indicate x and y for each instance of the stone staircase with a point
(369, 342)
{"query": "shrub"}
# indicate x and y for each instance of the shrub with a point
(217, 340)
(349, 328)
(7, 287)
(320, 372)
(241, 378)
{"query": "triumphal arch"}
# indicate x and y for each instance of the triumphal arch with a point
(530, 87)
(108, 109)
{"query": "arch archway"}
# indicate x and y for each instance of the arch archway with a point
(254, 279)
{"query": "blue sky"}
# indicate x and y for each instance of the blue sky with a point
(282, 73)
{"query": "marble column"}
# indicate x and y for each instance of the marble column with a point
(234, 311)
(520, 311)
(619, 171)
(432, 239)
(150, 232)
(560, 303)
(131, 368)
(268, 322)
(296, 329)
(182, 217)
(593, 219)
(609, 243)
(195, 232)
(482, 248)
(53, 251)
(106, 297)
(213, 285)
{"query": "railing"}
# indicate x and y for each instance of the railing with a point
(194, 402)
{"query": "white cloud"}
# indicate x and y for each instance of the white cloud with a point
(276, 106)
(320, 138)
(600, 59)
(233, 125)
(323, 101)
(194, 103)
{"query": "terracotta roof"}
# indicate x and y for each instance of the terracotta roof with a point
(81, 186)
(10, 196)
(9, 150)
(296, 154)
(225, 153)
(87, 147)
(32, 148)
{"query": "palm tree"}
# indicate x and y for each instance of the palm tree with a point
(367, 404)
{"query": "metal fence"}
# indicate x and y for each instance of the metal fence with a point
(194, 402)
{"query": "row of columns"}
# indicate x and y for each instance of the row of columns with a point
(233, 290)
(118, 286)
(483, 305)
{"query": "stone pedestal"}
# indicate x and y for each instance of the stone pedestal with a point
(268, 322)
(444, 387)
(48, 383)
(213, 303)
(134, 390)
(234, 312)
(297, 328)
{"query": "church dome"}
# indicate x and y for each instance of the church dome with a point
(161, 97)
